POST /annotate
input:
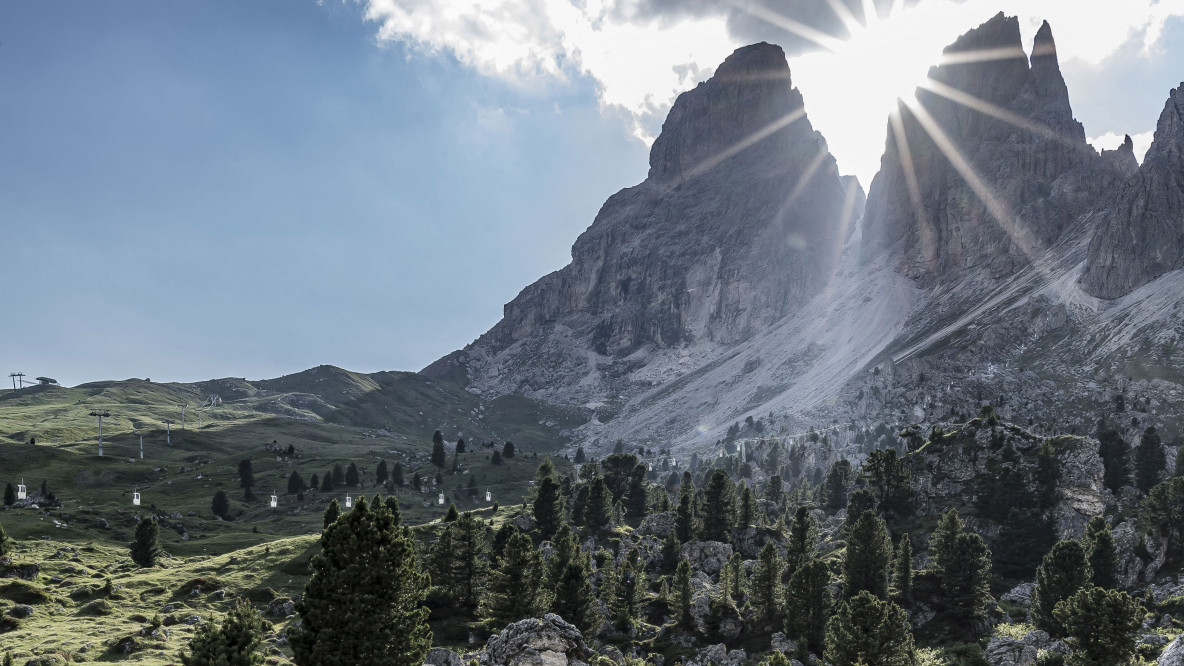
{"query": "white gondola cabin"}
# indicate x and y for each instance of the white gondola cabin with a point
(440, 499)
(136, 498)
(488, 496)
(21, 493)
(274, 500)
(349, 502)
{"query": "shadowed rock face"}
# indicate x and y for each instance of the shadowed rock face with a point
(740, 221)
(1141, 235)
(1035, 172)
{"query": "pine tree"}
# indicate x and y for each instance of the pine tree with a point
(332, 513)
(397, 475)
(363, 604)
(439, 455)
(941, 541)
(246, 478)
(548, 511)
(636, 496)
(452, 514)
(574, 598)
(508, 450)
(671, 549)
(902, 572)
(867, 631)
(685, 526)
(295, 483)
(1024, 539)
(581, 457)
(869, 555)
(496, 458)
(775, 491)
(1101, 626)
(747, 507)
(766, 584)
(719, 507)
(338, 476)
(146, 543)
(437, 437)
(1098, 542)
(352, 477)
(327, 485)
(1163, 510)
(392, 505)
(1115, 457)
(470, 561)
(220, 504)
(808, 604)
(9, 495)
(834, 489)
(314, 483)
(235, 642)
(683, 598)
(381, 473)
(776, 658)
(965, 582)
(1061, 574)
(598, 511)
(460, 445)
(515, 590)
(1150, 461)
(629, 590)
(803, 539)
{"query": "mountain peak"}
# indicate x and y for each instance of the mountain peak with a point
(749, 106)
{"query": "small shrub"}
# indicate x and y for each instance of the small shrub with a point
(1013, 630)
(96, 607)
(20, 592)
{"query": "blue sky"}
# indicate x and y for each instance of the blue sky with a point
(198, 190)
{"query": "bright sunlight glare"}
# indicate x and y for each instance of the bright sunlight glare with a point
(851, 90)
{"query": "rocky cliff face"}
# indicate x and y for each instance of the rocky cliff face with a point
(1141, 234)
(738, 223)
(987, 167)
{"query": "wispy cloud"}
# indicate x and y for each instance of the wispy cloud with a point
(640, 63)
(1112, 140)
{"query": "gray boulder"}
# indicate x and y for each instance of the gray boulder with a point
(1173, 655)
(443, 657)
(549, 641)
(706, 556)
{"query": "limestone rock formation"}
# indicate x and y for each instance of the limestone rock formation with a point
(549, 641)
(740, 221)
(987, 167)
(1141, 235)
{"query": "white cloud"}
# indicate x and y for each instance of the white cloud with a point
(638, 65)
(1112, 140)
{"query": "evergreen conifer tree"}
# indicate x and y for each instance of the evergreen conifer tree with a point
(747, 513)
(765, 594)
(581, 457)
(867, 631)
(834, 489)
(902, 572)
(598, 512)
(352, 476)
(295, 483)
(327, 485)
(515, 589)
(439, 455)
(460, 445)
(719, 507)
(776, 658)
(548, 511)
(1150, 461)
(682, 592)
(941, 541)
(338, 476)
(1060, 575)
(363, 604)
(1099, 553)
(332, 513)
(629, 590)
(234, 642)
(392, 504)
(1024, 539)
(146, 543)
(684, 518)
(314, 483)
(868, 558)
(803, 539)
(246, 478)
(9, 494)
(1115, 457)
(574, 598)
(452, 514)
(381, 473)
(220, 505)
(1101, 626)
(671, 549)
(397, 475)
(966, 579)
(508, 450)
(808, 604)
(636, 496)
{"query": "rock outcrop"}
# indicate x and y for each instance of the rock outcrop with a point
(987, 167)
(1141, 234)
(549, 641)
(1173, 654)
(740, 221)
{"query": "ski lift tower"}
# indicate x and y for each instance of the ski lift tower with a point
(102, 415)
